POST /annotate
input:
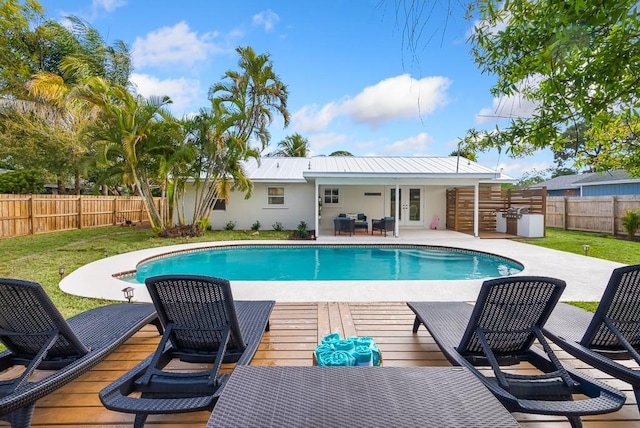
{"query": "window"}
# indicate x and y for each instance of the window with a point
(331, 196)
(275, 195)
(220, 205)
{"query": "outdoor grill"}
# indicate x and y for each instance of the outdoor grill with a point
(515, 212)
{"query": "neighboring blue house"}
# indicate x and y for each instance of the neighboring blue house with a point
(610, 183)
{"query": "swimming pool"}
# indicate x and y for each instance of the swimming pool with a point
(330, 263)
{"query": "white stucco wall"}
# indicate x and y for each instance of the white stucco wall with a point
(298, 206)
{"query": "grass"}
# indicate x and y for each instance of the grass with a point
(601, 246)
(37, 257)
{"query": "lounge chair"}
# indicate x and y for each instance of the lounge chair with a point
(203, 325)
(612, 333)
(385, 224)
(37, 337)
(361, 222)
(500, 330)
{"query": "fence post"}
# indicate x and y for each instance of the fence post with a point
(30, 214)
(564, 213)
(115, 208)
(79, 211)
(613, 215)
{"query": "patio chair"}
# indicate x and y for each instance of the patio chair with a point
(40, 341)
(385, 224)
(203, 325)
(608, 339)
(344, 225)
(500, 330)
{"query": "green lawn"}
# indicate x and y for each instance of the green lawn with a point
(601, 246)
(37, 257)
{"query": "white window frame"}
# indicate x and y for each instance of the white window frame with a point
(271, 198)
(333, 196)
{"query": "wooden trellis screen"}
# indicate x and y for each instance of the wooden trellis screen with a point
(33, 214)
(491, 200)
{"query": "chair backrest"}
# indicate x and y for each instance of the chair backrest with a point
(507, 310)
(28, 319)
(196, 306)
(620, 304)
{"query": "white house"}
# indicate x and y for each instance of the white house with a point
(317, 189)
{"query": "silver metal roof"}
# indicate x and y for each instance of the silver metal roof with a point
(306, 169)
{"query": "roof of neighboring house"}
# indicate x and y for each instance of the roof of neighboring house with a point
(285, 169)
(609, 177)
(587, 179)
(563, 181)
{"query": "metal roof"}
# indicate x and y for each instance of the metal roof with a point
(285, 169)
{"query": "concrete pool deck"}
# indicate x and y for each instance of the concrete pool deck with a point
(586, 277)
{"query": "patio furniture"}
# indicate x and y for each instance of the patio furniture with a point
(203, 325)
(608, 340)
(385, 224)
(361, 222)
(343, 225)
(39, 339)
(277, 396)
(500, 330)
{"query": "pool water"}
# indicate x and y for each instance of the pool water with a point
(331, 263)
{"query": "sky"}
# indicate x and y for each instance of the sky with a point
(354, 82)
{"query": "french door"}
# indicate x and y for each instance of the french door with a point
(410, 205)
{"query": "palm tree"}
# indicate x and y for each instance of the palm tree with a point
(293, 146)
(256, 92)
(135, 135)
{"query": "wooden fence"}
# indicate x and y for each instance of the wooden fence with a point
(32, 214)
(491, 199)
(590, 213)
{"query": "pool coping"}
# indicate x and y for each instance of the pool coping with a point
(586, 277)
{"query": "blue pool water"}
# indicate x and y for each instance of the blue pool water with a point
(331, 263)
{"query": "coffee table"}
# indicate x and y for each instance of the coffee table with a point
(260, 396)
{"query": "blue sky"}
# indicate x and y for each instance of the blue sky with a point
(353, 83)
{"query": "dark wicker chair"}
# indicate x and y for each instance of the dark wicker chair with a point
(385, 224)
(500, 330)
(612, 333)
(203, 325)
(343, 225)
(38, 337)
(361, 222)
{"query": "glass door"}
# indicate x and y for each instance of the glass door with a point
(410, 204)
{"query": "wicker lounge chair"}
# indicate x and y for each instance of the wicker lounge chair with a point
(38, 337)
(500, 330)
(203, 325)
(612, 333)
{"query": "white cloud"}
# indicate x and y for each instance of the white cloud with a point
(185, 93)
(266, 19)
(106, 5)
(319, 142)
(174, 45)
(506, 108)
(411, 146)
(400, 97)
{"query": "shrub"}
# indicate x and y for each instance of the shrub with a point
(631, 222)
(22, 182)
(255, 226)
(277, 226)
(302, 230)
(230, 225)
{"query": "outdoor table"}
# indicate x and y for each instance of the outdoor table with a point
(260, 396)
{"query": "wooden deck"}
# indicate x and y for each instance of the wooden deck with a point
(295, 331)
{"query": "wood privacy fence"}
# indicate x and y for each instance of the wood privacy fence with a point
(590, 213)
(32, 214)
(491, 199)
